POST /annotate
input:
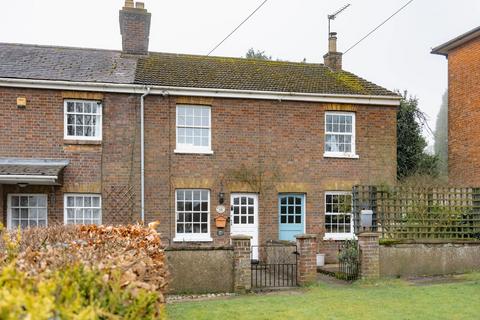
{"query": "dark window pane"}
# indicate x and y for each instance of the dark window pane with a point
(15, 201)
(196, 206)
(235, 210)
(188, 206)
(180, 206)
(244, 219)
(188, 228)
(283, 210)
(250, 201)
(298, 200)
(204, 217)
(188, 217)
(204, 206)
(250, 219)
(244, 200)
(235, 219)
(283, 219)
(70, 107)
(250, 210)
(298, 209)
(235, 200)
(298, 219)
(244, 210)
(329, 198)
(196, 228)
(283, 200)
(290, 219)
(196, 217)
(204, 228)
(180, 228)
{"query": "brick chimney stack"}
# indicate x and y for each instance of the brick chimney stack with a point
(333, 59)
(135, 28)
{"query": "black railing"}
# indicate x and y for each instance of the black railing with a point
(274, 265)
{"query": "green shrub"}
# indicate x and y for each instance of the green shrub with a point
(73, 293)
(85, 272)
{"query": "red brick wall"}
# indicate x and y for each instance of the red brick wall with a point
(285, 137)
(37, 132)
(463, 114)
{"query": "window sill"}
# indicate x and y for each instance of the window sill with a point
(341, 155)
(193, 151)
(83, 142)
(338, 237)
(190, 238)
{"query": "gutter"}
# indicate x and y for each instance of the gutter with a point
(393, 100)
(142, 153)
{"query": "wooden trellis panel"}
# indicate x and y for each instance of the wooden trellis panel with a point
(119, 201)
(421, 213)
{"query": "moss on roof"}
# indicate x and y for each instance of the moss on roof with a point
(181, 70)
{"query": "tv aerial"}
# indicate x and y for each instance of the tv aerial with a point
(334, 15)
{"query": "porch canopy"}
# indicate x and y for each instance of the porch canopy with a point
(31, 171)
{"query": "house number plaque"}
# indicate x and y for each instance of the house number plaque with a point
(220, 209)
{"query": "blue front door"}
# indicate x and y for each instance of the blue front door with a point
(291, 210)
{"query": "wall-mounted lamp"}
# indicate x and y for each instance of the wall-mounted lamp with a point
(221, 194)
(221, 197)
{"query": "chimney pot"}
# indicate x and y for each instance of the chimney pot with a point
(128, 4)
(333, 59)
(140, 5)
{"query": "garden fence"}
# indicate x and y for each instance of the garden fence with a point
(413, 213)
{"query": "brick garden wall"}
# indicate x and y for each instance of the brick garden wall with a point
(463, 114)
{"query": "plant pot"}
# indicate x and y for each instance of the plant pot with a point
(320, 259)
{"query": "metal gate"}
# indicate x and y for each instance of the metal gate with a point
(348, 261)
(276, 266)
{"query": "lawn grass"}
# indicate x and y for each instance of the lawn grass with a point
(391, 299)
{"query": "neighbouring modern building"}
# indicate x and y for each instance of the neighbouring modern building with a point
(463, 54)
(115, 137)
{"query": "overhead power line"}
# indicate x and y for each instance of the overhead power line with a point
(238, 27)
(377, 27)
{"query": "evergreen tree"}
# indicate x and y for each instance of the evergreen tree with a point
(411, 156)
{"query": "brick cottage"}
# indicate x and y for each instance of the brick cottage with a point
(111, 137)
(463, 53)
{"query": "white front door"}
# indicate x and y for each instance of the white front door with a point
(244, 218)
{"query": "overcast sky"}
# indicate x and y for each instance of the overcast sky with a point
(397, 56)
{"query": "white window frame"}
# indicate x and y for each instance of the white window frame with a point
(336, 235)
(9, 205)
(99, 116)
(80, 195)
(194, 237)
(190, 148)
(330, 154)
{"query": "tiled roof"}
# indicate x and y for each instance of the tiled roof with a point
(194, 71)
(68, 64)
(178, 70)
